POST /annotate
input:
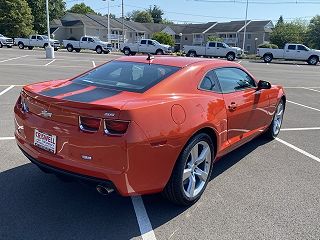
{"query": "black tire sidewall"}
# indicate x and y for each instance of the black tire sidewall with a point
(233, 56)
(1, 45)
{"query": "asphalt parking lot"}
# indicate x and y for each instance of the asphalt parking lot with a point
(264, 190)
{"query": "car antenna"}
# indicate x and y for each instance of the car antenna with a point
(150, 58)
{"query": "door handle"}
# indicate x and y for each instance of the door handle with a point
(233, 106)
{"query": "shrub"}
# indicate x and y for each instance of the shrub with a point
(268, 45)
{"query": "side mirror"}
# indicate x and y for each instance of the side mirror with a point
(264, 85)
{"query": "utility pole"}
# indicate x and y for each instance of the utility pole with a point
(123, 37)
(49, 48)
(245, 27)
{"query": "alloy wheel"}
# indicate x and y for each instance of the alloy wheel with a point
(197, 168)
(278, 117)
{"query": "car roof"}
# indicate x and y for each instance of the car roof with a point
(171, 60)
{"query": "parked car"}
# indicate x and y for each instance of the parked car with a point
(291, 51)
(142, 125)
(88, 42)
(5, 41)
(36, 41)
(145, 46)
(213, 49)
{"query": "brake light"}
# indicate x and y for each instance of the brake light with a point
(88, 124)
(115, 127)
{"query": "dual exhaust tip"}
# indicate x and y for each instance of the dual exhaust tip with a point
(103, 190)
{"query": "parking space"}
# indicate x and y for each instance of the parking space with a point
(264, 190)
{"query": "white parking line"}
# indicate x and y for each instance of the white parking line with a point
(301, 105)
(312, 89)
(10, 59)
(7, 89)
(50, 62)
(298, 150)
(240, 61)
(300, 87)
(143, 219)
(300, 129)
(94, 64)
(6, 138)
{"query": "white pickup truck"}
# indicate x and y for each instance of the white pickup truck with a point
(4, 41)
(145, 46)
(213, 49)
(88, 42)
(291, 51)
(36, 41)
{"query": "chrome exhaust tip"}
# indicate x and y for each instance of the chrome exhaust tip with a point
(104, 190)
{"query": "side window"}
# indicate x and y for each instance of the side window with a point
(302, 48)
(234, 79)
(33, 37)
(212, 44)
(219, 44)
(210, 83)
(143, 42)
(84, 39)
(90, 40)
(39, 37)
(150, 42)
(292, 47)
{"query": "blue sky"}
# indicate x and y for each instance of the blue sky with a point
(204, 10)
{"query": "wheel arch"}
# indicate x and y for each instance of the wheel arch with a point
(314, 55)
(268, 53)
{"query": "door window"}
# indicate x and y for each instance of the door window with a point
(33, 37)
(302, 48)
(234, 79)
(210, 82)
(212, 44)
(150, 42)
(39, 37)
(220, 45)
(84, 39)
(292, 47)
(90, 40)
(143, 41)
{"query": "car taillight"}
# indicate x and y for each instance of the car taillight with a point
(115, 127)
(88, 124)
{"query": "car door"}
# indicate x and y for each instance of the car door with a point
(40, 42)
(151, 47)
(143, 46)
(211, 49)
(220, 50)
(33, 41)
(290, 52)
(302, 52)
(246, 106)
(91, 44)
(84, 43)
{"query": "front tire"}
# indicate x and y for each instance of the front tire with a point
(192, 171)
(313, 60)
(1, 45)
(30, 48)
(159, 52)
(70, 48)
(99, 50)
(231, 56)
(275, 126)
(192, 54)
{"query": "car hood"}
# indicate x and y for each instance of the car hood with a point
(236, 48)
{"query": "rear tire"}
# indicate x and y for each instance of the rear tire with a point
(1, 45)
(191, 173)
(275, 126)
(267, 58)
(231, 56)
(69, 48)
(192, 54)
(127, 51)
(313, 60)
(21, 45)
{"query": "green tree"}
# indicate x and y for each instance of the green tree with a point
(214, 39)
(81, 8)
(294, 32)
(15, 18)
(141, 16)
(38, 8)
(313, 33)
(167, 21)
(280, 21)
(156, 14)
(163, 38)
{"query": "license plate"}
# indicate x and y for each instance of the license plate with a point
(45, 141)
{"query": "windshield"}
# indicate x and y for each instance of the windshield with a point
(127, 76)
(225, 45)
(155, 41)
(44, 37)
(96, 39)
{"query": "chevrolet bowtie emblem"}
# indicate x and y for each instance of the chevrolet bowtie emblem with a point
(46, 114)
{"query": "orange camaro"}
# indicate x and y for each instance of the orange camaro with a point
(142, 125)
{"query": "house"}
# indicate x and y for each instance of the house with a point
(73, 26)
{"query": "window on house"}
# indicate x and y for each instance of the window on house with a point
(249, 36)
(186, 38)
(130, 35)
(248, 48)
(70, 30)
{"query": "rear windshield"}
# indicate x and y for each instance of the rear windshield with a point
(127, 76)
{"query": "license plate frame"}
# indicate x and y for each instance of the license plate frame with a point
(45, 141)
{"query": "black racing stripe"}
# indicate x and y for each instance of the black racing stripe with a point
(63, 90)
(93, 95)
